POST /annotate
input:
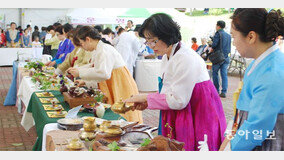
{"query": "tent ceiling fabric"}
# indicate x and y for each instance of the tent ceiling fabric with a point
(90, 16)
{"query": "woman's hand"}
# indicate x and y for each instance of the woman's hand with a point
(51, 64)
(139, 100)
(47, 64)
(73, 71)
(80, 83)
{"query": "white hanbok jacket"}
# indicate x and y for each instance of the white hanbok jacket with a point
(104, 59)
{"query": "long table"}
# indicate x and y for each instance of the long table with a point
(10, 54)
(41, 118)
(35, 115)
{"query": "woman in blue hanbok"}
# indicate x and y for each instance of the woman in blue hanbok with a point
(261, 101)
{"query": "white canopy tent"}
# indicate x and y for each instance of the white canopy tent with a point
(92, 16)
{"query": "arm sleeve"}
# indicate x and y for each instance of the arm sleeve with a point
(67, 63)
(179, 92)
(267, 101)
(59, 52)
(17, 37)
(216, 40)
(157, 101)
(176, 95)
(101, 69)
(68, 48)
(8, 36)
(50, 41)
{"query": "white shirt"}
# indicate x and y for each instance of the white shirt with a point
(104, 59)
(36, 44)
(128, 46)
(181, 72)
(48, 36)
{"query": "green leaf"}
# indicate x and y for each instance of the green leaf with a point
(113, 146)
(146, 141)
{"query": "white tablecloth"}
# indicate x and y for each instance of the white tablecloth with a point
(146, 74)
(26, 89)
(9, 55)
(48, 127)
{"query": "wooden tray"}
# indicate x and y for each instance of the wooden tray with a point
(77, 101)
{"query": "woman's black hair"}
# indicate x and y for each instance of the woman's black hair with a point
(137, 28)
(120, 30)
(43, 28)
(36, 28)
(99, 28)
(67, 27)
(88, 31)
(107, 31)
(194, 39)
(56, 24)
(162, 26)
(49, 28)
(268, 25)
(59, 29)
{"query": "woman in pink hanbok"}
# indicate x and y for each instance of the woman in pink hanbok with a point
(189, 103)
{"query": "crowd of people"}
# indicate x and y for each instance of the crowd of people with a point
(17, 37)
(189, 101)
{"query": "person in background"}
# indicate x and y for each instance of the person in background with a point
(13, 36)
(42, 35)
(2, 38)
(116, 30)
(194, 45)
(37, 53)
(203, 47)
(77, 58)
(115, 40)
(65, 46)
(112, 35)
(29, 31)
(53, 41)
(190, 106)
(26, 40)
(261, 101)
(99, 28)
(36, 43)
(21, 32)
(223, 66)
(107, 71)
(130, 26)
(107, 35)
(35, 33)
(144, 49)
(128, 46)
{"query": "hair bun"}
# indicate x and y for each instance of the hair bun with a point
(274, 25)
